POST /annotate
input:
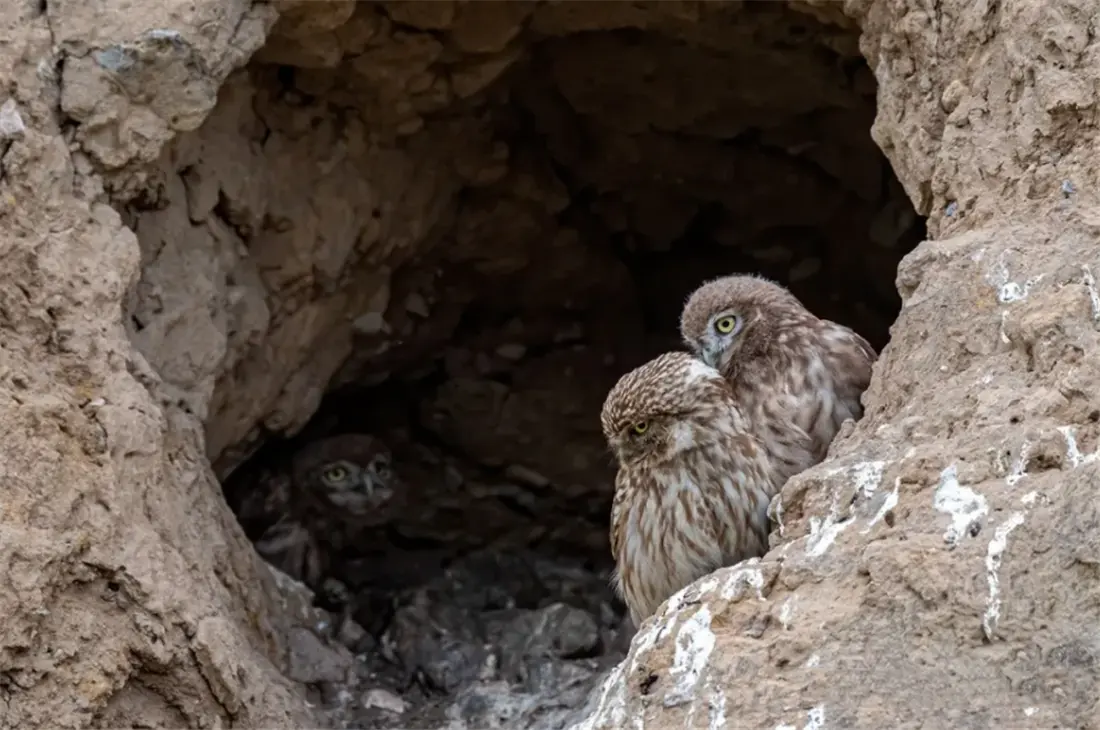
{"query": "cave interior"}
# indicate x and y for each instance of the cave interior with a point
(540, 207)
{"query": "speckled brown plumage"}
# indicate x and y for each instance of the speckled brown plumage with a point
(796, 376)
(693, 486)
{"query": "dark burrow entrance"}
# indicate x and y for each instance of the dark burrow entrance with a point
(638, 165)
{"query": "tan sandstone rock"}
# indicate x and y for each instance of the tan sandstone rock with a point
(212, 213)
(938, 569)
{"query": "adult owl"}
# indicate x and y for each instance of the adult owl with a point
(693, 483)
(797, 377)
(309, 504)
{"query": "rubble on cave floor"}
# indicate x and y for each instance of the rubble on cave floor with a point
(496, 639)
(419, 626)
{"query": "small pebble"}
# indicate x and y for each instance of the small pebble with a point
(453, 477)
(370, 323)
(514, 351)
(519, 473)
(383, 700)
(351, 634)
(415, 304)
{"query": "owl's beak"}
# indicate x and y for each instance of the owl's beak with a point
(376, 489)
(367, 484)
(711, 352)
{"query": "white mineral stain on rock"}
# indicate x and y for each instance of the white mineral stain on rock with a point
(717, 709)
(1019, 469)
(815, 720)
(694, 644)
(965, 506)
(779, 515)
(785, 613)
(1009, 291)
(611, 709)
(11, 124)
(643, 642)
(1094, 295)
(868, 475)
(1013, 292)
(888, 504)
(744, 574)
(715, 705)
(992, 569)
(1004, 334)
(1073, 452)
(823, 533)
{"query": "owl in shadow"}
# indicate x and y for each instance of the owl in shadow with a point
(310, 504)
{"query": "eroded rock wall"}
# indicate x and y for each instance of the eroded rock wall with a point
(293, 212)
(128, 593)
(939, 569)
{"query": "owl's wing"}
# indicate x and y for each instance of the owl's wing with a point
(795, 449)
(864, 355)
(851, 358)
(618, 519)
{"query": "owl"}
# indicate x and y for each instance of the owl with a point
(349, 476)
(309, 505)
(693, 482)
(796, 377)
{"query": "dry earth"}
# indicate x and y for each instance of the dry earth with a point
(464, 220)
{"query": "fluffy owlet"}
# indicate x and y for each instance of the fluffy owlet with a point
(797, 377)
(307, 508)
(693, 486)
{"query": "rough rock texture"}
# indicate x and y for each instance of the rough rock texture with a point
(213, 213)
(940, 569)
(127, 590)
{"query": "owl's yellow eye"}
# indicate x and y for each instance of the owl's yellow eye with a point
(640, 427)
(725, 325)
(335, 474)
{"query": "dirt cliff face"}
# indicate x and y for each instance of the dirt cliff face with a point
(938, 568)
(476, 216)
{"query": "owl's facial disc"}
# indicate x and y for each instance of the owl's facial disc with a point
(632, 443)
(651, 438)
(358, 490)
(344, 485)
